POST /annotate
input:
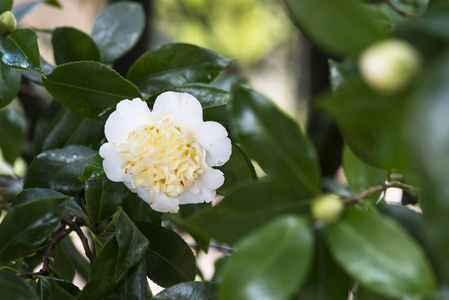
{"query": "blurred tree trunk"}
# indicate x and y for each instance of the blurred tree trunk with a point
(123, 64)
(322, 130)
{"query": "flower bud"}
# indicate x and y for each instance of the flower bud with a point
(389, 66)
(327, 208)
(8, 23)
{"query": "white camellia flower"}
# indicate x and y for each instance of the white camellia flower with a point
(165, 155)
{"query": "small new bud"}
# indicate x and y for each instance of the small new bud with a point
(8, 23)
(389, 66)
(327, 208)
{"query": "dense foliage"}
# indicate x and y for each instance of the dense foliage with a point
(286, 237)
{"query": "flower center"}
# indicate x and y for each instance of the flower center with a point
(161, 157)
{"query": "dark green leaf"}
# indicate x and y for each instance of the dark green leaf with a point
(9, 84)
(139, 210)
(245, 209)
(59, 169)
(62, 265)
(80, 262)
(380, 254)
(94, 169)
(19, 50)
(274, 140)
(131, 242)
(270, 263)
(189, 291)
(360, 175)
(15, 288)
(102, 275)
(28, 225)
(326, 281)
(169, 259)
(13, 132)
(344, 27)
(134, 284)
(118, 28)
(77, 87)
(173, 65)
(236, 170)
(103, 196)
(5, 5)
(371, 124)
(429, 146)
(55, 289)
(30, 195)
(70, 44)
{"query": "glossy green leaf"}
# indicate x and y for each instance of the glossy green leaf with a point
(102, 274)
(118, 28)
(54, 288)
(368, 247)
(169, 259)
(70, 44)
(10, 79)
(371, 124)
(35, 194)
(5, 5)
(360, 175)
(28, 225)
(245, 209)
(62, 265)
(185, 211)
(13, 130)
(59, 169)
(189, 291)
(134, 284)
(270, 263)
(139, 210)
(20, 50)
(94, 169)
(174, 65)
(59, 127)
(76, 87)
(344, 27)
(103, 197)
(237, 170)
(327, 280)
(131, 242)
(274, 140)
(14, 287)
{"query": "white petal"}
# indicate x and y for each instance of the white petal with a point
(205, 195)
(182, 107)
(158, 202)
(211, 179)
(213, 137)
(127, 117)
(112, 162)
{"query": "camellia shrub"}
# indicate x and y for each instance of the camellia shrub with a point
(125, 164)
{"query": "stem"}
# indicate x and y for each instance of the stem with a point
(398, 10)
(381, 187)
(75, 227)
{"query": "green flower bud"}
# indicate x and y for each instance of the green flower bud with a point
(327, 208)
(8, 23)
(389, 66)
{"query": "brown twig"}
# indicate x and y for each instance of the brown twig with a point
(381, 187)
(44, 271)
(75, 227)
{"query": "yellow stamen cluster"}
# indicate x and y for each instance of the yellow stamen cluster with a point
(161, 157)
